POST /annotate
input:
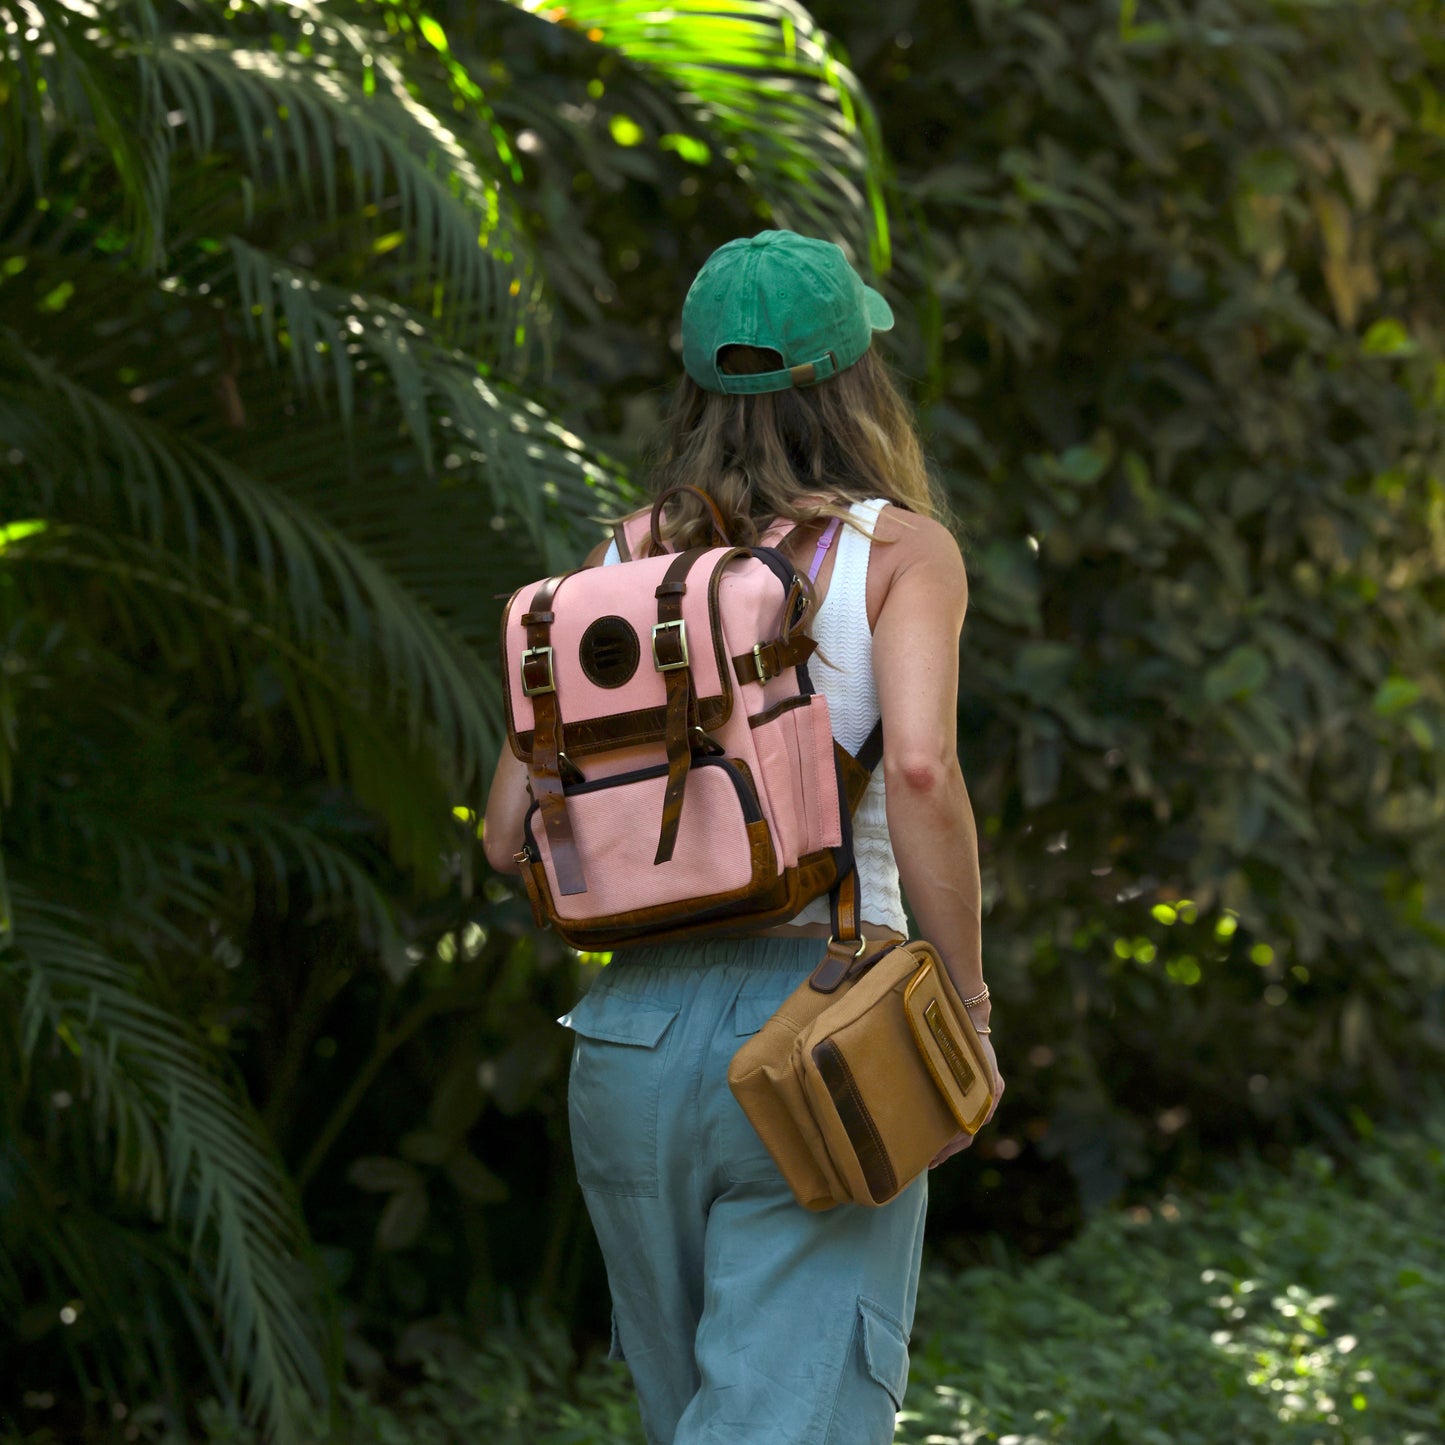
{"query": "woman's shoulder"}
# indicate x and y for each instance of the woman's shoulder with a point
(915, 558)
(909, 540)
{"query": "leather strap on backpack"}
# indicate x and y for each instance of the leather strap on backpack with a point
(540, 684)
(769, 659)
(719, 523)
(670, 658)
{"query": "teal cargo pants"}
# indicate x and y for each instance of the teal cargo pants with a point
(745, 1319)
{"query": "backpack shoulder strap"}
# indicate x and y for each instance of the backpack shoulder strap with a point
(858, 767)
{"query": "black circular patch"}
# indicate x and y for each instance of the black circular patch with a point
(610, 651)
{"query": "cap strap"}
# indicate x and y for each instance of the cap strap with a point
(807, 373)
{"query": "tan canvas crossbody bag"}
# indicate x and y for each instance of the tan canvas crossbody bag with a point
(864, 1073)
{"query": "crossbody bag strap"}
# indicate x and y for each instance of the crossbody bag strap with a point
(539, 683)
(845, 902)
(670, 658)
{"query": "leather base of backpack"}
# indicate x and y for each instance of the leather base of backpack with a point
(866, 1070)
(748, 910)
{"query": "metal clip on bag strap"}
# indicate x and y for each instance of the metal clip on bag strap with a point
(547, 743)
(670, 657)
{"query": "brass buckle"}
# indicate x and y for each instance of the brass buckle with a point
(678, 627)
(862, 945)
(763, 674)
(541, 655)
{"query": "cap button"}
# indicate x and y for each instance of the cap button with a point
(762, 239)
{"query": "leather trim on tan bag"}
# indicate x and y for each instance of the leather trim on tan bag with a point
(856, 1120)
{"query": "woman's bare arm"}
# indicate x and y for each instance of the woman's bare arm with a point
(915, 666)
(507, 802)
(930, 819)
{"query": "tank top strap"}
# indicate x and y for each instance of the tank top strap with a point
(850, 569)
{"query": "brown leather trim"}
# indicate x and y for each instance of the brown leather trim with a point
(535, 896)
(777, 656)
(767, 894)
(857, 1122)
(619, 729)
(670, 592)
(513, 736)
(871, 753)
(719, 523)
(778, 709)
(845, 902)
(829, 975)
(547, 750)
(855, 776)
(747, 775)
(715, 617)
(619, 537)
(813, 877)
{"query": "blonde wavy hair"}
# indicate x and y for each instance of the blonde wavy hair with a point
(801, 454)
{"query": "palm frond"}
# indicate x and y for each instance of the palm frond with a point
(331, 595)
(58, 73)
(294, 114)
(527, 458)
(183, 1143)
(763, 79)
(194, 623)
(200, 847)
(123, 1274)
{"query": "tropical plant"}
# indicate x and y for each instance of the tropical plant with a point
(277, 422)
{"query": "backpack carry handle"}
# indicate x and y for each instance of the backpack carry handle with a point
(718, 524)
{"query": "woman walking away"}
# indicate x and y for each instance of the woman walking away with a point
(745, 1319)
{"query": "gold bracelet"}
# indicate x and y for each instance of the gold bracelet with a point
(977, 999)
(986, 1029)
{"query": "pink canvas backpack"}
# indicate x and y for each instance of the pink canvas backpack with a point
(684, 775)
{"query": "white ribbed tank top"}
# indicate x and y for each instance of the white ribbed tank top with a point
(845, 639)
(840, 627)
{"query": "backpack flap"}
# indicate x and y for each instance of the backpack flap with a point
(600, 661)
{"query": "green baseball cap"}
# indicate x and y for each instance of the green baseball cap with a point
(790, 293)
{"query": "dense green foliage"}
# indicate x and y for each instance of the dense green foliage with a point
(1288, 1309)
(1182, 345)
(277, 294)
(1294, 1308)
(321, 325)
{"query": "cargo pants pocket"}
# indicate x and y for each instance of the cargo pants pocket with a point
(614, 1089)
(874, 1378)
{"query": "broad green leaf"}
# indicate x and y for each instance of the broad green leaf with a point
(1396, 694)
(1389, 337)
(1242, 672)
